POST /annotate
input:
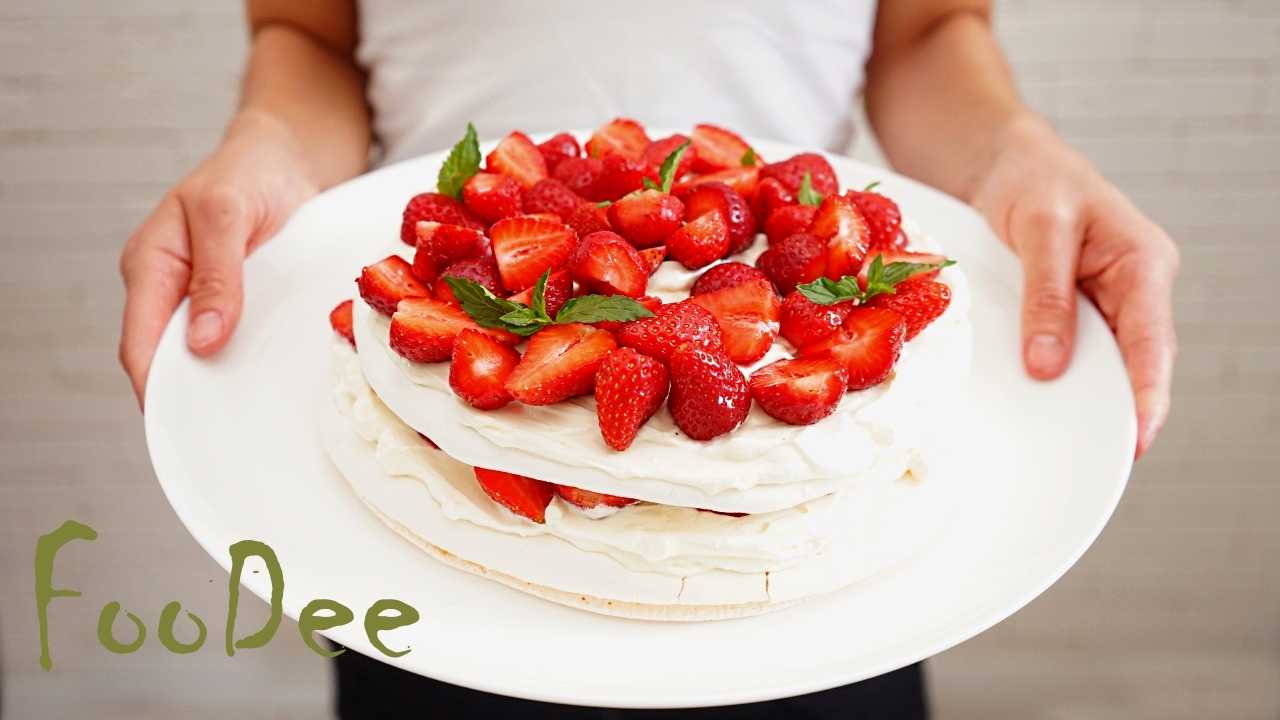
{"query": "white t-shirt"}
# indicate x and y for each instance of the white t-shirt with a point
(780, 69)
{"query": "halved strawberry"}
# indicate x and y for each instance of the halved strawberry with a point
(799, 259)
(700, 242)
(340, 321)
(799, 392)
(709, 395)
(447, 244)
(884, 219)
(718, 149)
(630, 387)
(705, 197)
(790, 172)
(867, 344)
(804, 321)
(526, 247)
(621, 136)
(423, 329)
(582, 176)
(651, 258)
(658, 151)
(619, 176)
(648, 302)
(517, 156)
(385, 283)
(589, 219)
(725, 275)
(586, 499)
(558, 291)
(771, 195)
(558, 148)
(605, 264)
(521, 495)
(671, 326)
(787, 221)
(552, 196)
(480, 270)
(492, 196)
(918, 300)
(647, 218)
(424, 267)
(744, 180)
(892, 256)
(560, 363)
(748, 318)
(479, 369)
(841, 225)
(435, 207)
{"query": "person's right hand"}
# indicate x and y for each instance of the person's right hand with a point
(196, 240)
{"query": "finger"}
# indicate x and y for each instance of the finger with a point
(220, 225)
(156, 268)
(1048, 242)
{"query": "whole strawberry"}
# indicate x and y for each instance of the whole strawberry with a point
(630, 387)
(799, 259)
(883, 217)
(709, 395)
(552, 196)
(700, 242)
(725, 275)
(804, 321)
(492, 196)
(917, 300)
(434, 207)
(561, 147)
(671, 326)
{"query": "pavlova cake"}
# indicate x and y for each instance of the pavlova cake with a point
(654, 378)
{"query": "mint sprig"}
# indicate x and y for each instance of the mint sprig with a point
(881, 280)
(807, 195)
(749, 158)
(667, 171)
(491, 311)
(462, 163)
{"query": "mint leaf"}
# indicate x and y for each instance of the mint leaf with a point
(807, 195)
(749, 157)
(825, 291)
(871, 187)
(603, 203)
(667, 172)
(539, 300)
(462, 163)
(881, 279)
(650, 185)
(598, 308)
(483, 306)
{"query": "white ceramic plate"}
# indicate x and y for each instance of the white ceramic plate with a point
(236, 447)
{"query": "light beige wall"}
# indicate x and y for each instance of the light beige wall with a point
(1174, 613)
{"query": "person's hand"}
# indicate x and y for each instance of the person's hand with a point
(1073, 229)
(196, 240)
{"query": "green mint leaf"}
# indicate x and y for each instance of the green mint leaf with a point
(667, 172)
(603, 203)
(539, 300)
(749, 157)
(807, 195)
(825, 291)
(462, 163)
(871, 187)
(483, 306)
(650, 185)
(881, 278)
(598, 308)
(522, 317)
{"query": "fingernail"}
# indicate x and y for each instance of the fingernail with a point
(205, 329)
(1045, 354)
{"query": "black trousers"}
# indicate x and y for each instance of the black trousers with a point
(371, 690)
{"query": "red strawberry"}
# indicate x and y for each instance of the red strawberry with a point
(630, 387)
(646, 219)
(560, 363)
(718, 149)
(478, 270)
(671, 326)
(340, 321)
(480, 368)
(790, 172)
(589, 219)
(558, 291)
(492, 196)
(619, 176)
(705, 197)
(725, 275)
(581, 176)
(917, 300)
(423, 329)
(771, 195)
(748, 318)
(801, 258)
(620, 136)
(804, 321)
(867, 344)
(838, 222)
(525, 248)
(521, 495)
(425, 268)
(657, 152)
(605, 264)
(709, 395)
(884, 219)
(799, 392)
(559, 148)
(586, 499)
(787, 221)
(447, 244)
(434, 207)
(651, 258)
(648, 302)
(892, 256)
(552, 196)
(700, 242)
(744, 180)
(517, 156)
(385, 283)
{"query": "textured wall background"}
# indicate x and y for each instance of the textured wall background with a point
(1174, 613)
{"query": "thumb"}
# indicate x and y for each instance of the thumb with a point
(1048, 242)
(220, 226)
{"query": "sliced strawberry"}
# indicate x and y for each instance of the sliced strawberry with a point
(630, 387)
(492, 196)
(526, 247)
(790, 172)
(340, 321)
(841, 225)
(770, 196)
(517, 156)
(748, 318)
(658, 151)
(385, 283)
(867, 344)
(619, 176)
(744, 180)
(558, 291)
(804, 322)
(799, 259)
(648, 302)
(447, 244)
(702, 199)
(884, 219)
(589, 219)
(647, 218)
(799, 392)
(671, 326)
(718, 149)
(605, 264)
(787, 221)
(700, 242)
(709, 395)
(434, 207)
(423, 329)
(521, 495)
(586, 499)
(479, 369)
(478, 270)
(552, 196)
(725, 275)
(892, 256)
(620, 136)
(560, 363)
(581, 176)
(918, 300)
(651, 259)
(424, 267)
(558, 148)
